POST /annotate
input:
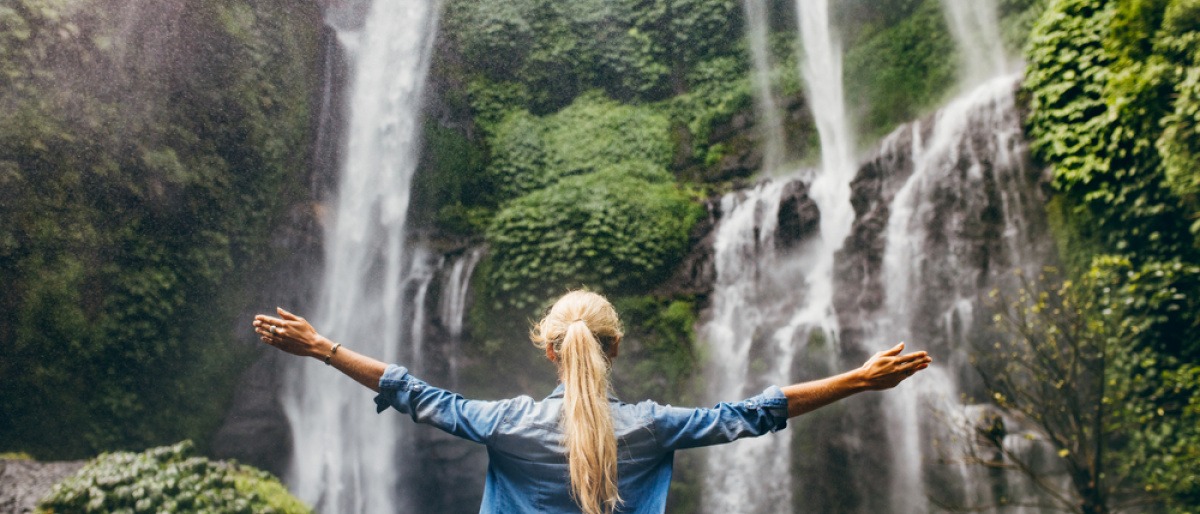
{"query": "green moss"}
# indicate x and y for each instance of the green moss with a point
(451, 188)
(557, 50)
(594, 132)
(718, 89)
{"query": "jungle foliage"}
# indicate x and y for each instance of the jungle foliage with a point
(169, 479)
(579, 107)
(1112, 113)
(144, 154)
(631, 49)
(902, 65)
(1118, 417)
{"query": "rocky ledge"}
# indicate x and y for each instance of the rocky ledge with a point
(24, 482)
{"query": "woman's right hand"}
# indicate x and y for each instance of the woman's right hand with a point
(886, 369)
(292, 334)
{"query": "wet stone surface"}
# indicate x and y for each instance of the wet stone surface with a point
(24, 482)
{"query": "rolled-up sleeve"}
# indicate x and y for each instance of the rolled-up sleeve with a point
(678, 428)
(473, 420)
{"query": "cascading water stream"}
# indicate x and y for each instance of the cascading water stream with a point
(754, 294)
(344, 455)
(975, 27)
(424, 269)
(452, 309)
(770, 123)
(771, 299)
(959, 222)
(830, 188)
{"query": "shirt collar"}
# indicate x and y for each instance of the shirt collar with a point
(558, 393)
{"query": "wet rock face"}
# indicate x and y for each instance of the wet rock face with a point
(255, 430)
(697, 272)
(969, 203)
(799, 216)
(798, 221)
(860, 292)
(24, 482)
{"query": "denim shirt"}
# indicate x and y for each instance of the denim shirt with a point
(527, 463)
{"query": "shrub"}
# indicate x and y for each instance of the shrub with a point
(169, 479)
(607, 230)
(594, 132)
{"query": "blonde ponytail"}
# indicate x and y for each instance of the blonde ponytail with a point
(582, 328)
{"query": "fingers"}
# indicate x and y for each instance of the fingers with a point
(914, 356)
(911, 367)
(287, 315)
(267, 320)
(895, 350)
(270, 330)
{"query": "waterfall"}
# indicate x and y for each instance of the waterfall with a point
(344, 455)
(945, 209)
(452, 309)
(750, 345)
(964, 217)
(975, 27)
(770, 123)
(830, 189)
(773, 296)
(424, 269)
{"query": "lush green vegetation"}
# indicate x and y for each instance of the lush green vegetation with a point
(1111, 90)
(140, 170)
(901, 60)
(1067, 363)
(587, 114)
(555, 51)
(169, 479)
(587, 201)
(901, 66)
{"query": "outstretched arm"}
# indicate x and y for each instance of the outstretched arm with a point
(882, 371)
(295, 335)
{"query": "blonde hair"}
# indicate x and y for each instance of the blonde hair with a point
(581, 328)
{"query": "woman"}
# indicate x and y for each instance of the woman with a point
(616, 456)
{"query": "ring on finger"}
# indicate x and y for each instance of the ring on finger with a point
(273, 332)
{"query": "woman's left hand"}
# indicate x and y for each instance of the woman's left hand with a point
(292, 334)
